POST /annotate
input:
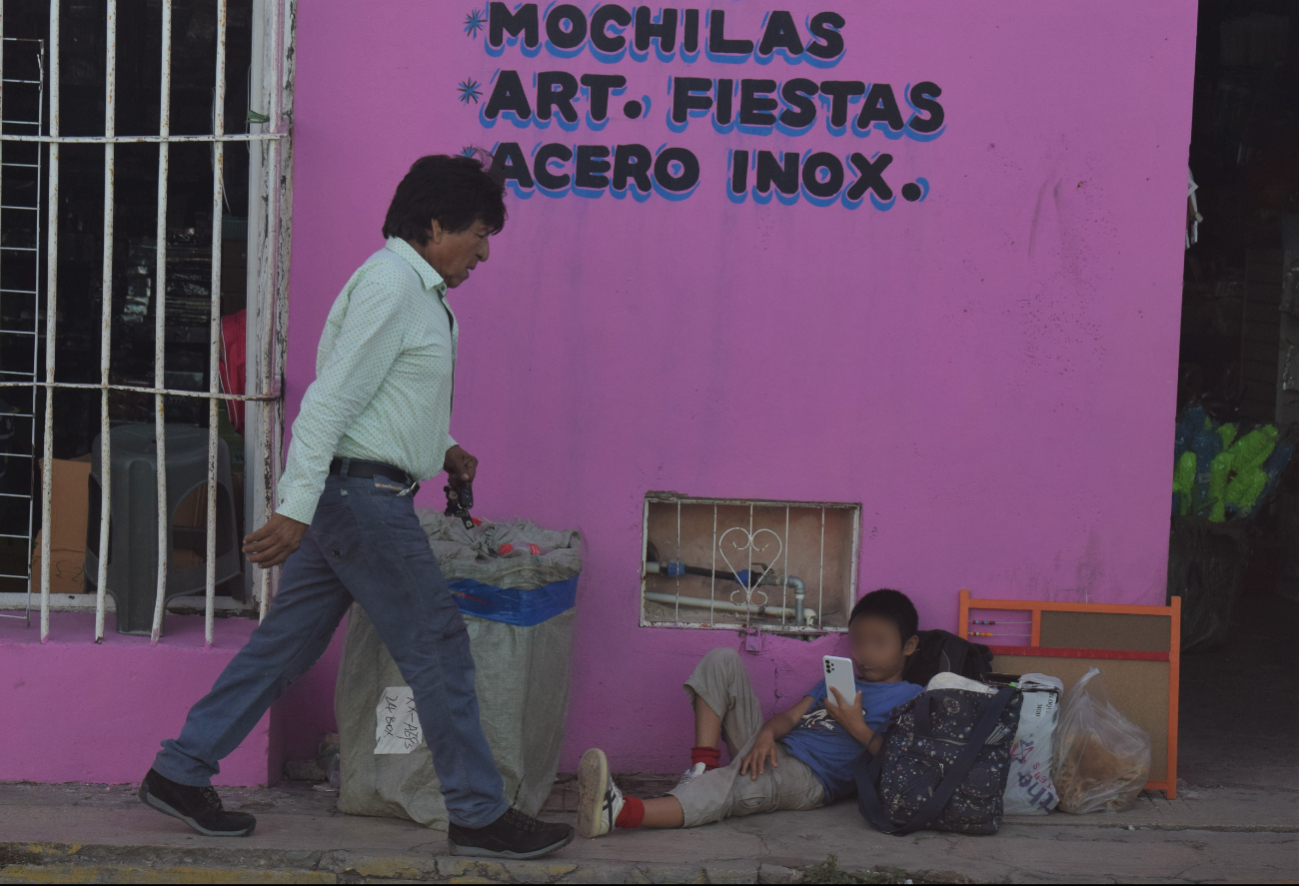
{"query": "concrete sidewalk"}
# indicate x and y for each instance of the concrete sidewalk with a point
(97, 833)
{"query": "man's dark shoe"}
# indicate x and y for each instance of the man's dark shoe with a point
(200, 808)
(513, 835)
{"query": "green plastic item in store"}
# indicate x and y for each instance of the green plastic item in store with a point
(1244, 488)
(1184, 482)
(1228, 434)
(1235, 476)
(1219, 472)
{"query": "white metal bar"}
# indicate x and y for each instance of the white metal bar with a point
(784, 585)
(86, 603)
(214, 331)
(31, 498)
(160, 319)
(51, 322)
(748, 584)
(106, 317)
(272, 396)
(712, 586)
(254, 344)
(820, 582)
(282, 152)
(747, 607)
(679, 561)
(760, 502)
(140, 139)
(856, 558)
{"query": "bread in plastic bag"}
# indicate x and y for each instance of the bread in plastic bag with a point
(1102, 759)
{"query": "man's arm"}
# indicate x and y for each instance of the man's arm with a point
(764, 745)
(364, 351)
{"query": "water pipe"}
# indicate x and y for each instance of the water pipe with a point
(809, 615)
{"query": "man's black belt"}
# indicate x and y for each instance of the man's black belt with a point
(366, 470)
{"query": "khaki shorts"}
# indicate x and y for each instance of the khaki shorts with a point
(723, 683)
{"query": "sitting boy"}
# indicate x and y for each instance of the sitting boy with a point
(801, 758)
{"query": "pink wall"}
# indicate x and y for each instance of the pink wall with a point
(990, 371)
(97, 712)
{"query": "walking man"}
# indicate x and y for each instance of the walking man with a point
(373, 423)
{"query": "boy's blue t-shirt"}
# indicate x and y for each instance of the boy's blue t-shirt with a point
(827, 749)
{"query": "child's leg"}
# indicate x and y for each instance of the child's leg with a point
(663, 812)
(724, 701)
(711, 797)
(724, 793)
(708, 726)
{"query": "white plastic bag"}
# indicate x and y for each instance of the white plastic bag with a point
(1102, 759)
(948, 680)
(1029, 788)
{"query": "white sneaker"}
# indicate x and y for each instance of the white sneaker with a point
(598, 799)
(691, 774)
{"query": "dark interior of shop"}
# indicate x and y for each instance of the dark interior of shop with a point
(1238, 571)
(80, 248)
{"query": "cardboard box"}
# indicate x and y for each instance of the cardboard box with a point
(69, 508)
(66, 573)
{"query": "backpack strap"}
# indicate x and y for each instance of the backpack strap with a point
(868, 799)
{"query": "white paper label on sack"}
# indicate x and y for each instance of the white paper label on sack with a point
(397, 729)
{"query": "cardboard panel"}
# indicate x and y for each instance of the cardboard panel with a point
(1104, 630)
(1139, 689)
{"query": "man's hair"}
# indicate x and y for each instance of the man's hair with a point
(456, 191)
(893, 605)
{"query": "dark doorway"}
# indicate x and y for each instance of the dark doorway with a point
(1234, 557)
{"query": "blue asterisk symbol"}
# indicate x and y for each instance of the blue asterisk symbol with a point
(467, 152)
(474, 22)
(469, 90)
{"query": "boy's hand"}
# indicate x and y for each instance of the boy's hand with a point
(762, 752)
(849, 716)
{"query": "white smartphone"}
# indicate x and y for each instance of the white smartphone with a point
(839, 675)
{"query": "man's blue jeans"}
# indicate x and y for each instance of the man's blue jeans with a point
(365, 544)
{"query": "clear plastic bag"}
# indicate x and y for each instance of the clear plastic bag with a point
(1102, 759)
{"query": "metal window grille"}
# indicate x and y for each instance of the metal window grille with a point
(740, 563)
(35, 142)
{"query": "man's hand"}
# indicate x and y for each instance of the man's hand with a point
(762, 752)
(275, 541)
(461, 467)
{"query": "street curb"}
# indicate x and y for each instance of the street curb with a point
(78, 863)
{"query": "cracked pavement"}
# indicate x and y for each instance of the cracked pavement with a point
(103, 834)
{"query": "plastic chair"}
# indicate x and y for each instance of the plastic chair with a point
(133, 527)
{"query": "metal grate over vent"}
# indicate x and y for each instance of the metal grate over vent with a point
(741, 563)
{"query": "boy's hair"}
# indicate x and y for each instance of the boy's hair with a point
(893, 605)
(457, 191)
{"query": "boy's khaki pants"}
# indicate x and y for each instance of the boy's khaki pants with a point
(723, 683)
